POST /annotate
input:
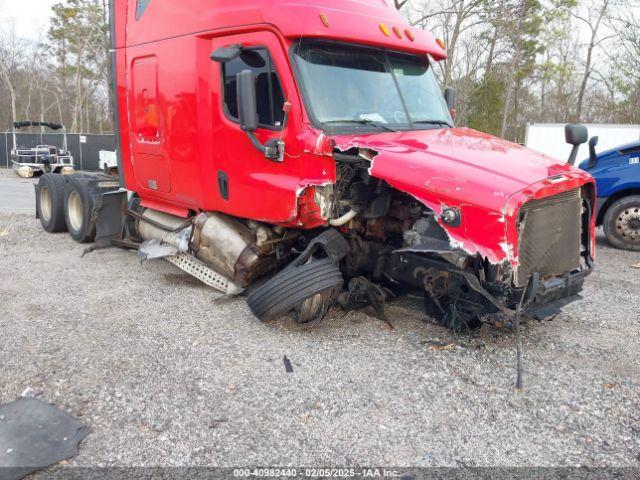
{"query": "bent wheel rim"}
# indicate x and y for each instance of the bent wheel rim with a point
(628, 224)
(76, 211)
(46, 203)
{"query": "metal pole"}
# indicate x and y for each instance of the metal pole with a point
(80, 150)
(6, 147)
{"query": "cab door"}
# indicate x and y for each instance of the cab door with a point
(248, 184)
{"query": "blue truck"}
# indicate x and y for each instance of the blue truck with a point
(617, 175)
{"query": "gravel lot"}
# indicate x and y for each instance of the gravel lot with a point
(165, 374)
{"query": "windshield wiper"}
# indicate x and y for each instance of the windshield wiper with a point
(432, 122)
(363, 121)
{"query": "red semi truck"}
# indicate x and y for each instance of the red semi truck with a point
(303, 151)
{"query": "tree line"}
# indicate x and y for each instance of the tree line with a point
(510, 61)
(62, 76)
(514, 62)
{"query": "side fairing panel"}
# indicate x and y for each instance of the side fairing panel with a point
(151, 166)
(163, 123)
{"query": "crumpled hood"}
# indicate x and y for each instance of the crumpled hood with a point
(486, 177)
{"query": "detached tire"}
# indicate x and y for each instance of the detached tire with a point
(315, 307)
(622, 223)
(50, 202)
(78, 205)
(292, 287)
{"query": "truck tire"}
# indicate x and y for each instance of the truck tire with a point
(78, 206)
(292, 287)
(50, 202)
(315, 307)
(622, 223)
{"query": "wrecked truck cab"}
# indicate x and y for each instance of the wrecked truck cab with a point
(305, 153)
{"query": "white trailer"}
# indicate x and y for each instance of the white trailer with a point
(108, 161)
(548, 138)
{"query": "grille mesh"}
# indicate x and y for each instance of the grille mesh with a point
(549, 236)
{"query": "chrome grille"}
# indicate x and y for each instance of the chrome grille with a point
(549, 236)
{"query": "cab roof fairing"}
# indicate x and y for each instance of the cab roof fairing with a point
(297, 21)
(353, 21)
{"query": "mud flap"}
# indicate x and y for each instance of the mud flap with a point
(36, 187)
(109, 215)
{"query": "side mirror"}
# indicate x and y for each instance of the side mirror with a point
(575, 134)
(593, 159)
(226, 54)
(450, 98)
(247, 103)
(248, 116)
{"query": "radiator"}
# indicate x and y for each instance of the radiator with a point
(549, 236)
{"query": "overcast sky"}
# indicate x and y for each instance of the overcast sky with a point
(31, 16)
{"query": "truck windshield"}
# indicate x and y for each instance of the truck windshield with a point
(357, 87)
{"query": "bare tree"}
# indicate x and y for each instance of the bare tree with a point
(516, 38)
(594, 13)
(9, 58)
(452, 19)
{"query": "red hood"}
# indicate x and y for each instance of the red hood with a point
(486, 177)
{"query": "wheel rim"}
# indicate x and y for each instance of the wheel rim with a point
(628, 224)
(46, 204)
(76, 210)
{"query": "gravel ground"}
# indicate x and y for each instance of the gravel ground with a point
(166, 375)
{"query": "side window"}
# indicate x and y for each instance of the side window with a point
(630, 150)
(270, 98)
(141, 7)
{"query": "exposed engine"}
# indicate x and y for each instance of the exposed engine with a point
(373, 209)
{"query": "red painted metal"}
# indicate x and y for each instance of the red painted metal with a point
(487, 178)
(176, 137)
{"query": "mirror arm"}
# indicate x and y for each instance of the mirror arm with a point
(256, 143)
(593, 159)
(273, 149)
(573, 155)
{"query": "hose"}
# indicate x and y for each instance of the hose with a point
(347, 217)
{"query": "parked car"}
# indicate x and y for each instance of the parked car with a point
(617, 175)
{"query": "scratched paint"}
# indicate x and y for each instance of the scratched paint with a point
(487, 178)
